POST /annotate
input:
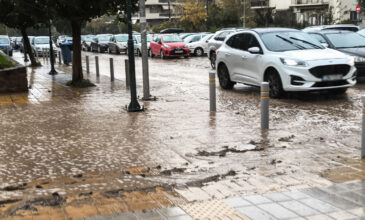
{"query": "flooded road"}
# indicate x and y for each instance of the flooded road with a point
(68, 132)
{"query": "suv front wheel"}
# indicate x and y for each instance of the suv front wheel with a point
(224, 78)
(275, 84)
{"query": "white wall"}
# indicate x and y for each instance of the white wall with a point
(280, 4)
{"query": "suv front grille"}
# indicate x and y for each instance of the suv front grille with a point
(330, 83)
(320, 71)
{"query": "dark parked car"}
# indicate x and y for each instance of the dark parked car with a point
(18, 43)
(348, 42)
(100, 43)
(118, 43)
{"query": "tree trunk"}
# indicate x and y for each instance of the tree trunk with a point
(77, 75)
(28, 48)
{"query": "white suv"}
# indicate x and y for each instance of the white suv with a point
(290, 60)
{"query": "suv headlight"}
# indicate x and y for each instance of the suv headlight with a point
(293, 62)
(358, 59)
(166, 46)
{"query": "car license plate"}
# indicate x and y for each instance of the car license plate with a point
(332, 77)
(178, 51)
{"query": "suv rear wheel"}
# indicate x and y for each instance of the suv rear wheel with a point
(224, 78)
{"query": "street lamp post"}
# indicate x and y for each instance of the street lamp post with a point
(51, 55)
(134, 105)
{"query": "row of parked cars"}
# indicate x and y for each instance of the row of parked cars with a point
(314, 59)
(163, 45)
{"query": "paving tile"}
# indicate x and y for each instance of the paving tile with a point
(319, 217)
(299, 208)
(171, 211)
(236, 202)
(278, 211)
(149, 215)
(335, 189)
(358, 218)
(342, 215)
(180, 217)
(354, 197)
(319, 205)
(295, 194)
(255, 213)
(335, 200)
(277, 197)
(257, 199)
(357, 211)
(354, 185)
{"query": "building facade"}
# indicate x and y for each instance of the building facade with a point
(311, 12)
(159, 11)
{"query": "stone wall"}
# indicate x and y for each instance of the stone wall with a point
(13, 79)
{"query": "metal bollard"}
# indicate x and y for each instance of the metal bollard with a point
(87, 65)
(97, 65)
(265, 92)
(111, 69)
(212, 92)
(363, 129)
(59, 57)
(127, 74)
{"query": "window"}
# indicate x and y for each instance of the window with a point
(320, 38)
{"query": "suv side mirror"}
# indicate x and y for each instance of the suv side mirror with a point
(325, 45)
(159, 42)
(254, 50)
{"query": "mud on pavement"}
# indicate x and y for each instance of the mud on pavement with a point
(81, 143)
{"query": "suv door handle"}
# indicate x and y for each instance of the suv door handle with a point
(243, 57)
(228, 54)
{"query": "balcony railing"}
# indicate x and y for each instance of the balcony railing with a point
(259, 3)
(309, 2)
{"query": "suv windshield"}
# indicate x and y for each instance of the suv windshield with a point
(121, 38)
(346, 40)
(4, 40)
(286, 41)
(171, 39)
(43, 40)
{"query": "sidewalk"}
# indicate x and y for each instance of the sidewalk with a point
(339, 201)
(76, 153)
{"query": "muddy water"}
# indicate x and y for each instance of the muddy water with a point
(88, 131)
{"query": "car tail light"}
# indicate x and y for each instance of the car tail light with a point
(216, 52)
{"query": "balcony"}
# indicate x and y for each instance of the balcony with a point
(260, 4)
(305, 3)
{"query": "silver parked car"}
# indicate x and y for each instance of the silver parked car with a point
(118, 43)
(138, 44)
(216, 41)
(199, 48)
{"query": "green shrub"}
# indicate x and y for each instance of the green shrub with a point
(4, 62)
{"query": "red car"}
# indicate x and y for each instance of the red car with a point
(168, 46)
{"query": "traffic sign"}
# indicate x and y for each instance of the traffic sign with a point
(358, 9)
